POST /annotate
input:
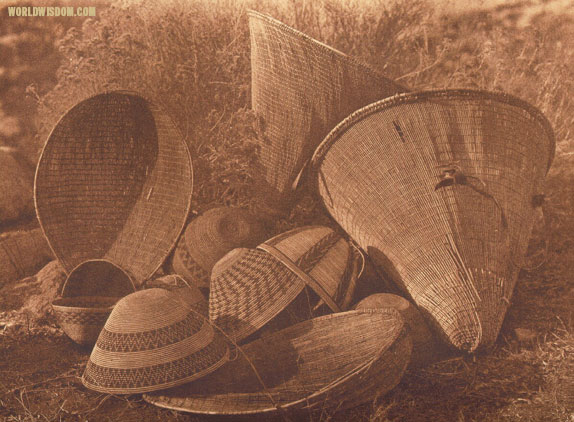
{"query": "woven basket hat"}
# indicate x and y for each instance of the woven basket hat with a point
(332, 362)
(301, 89)
(440, 189)
(114, 182)
(188, 292)
(152, 340)
(249, 287)
(210, 236)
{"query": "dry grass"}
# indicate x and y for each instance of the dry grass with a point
(193, 57)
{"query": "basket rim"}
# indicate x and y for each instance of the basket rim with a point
(107, 261)
(56, 303)
(438, 94)
(325, 47)
(395, 335)
(149, 100)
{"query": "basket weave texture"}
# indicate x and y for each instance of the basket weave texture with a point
(153, 340)
(98, 277)
(210, 236)
(249, 287)
(332, 362)
(83, 317)
(114, 182)
(440, 188)
(301, 89)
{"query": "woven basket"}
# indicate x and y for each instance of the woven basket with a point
(191, 295)
(329, 363)
(98, 277)
(22, 253)
(250, 287)
(440, 189)
(425, 347)
(83, 317)
(152, 340)
(301, 89)
(210, 236)
(114, 182)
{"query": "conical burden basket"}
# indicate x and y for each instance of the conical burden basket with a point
(328, 363)
(301, 89)
(440, 189)
(114, 182)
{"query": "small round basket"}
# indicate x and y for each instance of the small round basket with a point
(83, 317)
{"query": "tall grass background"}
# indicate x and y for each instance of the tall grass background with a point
(193, 58)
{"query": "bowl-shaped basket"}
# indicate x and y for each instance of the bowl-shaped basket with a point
(83, 317)
(301, 88)
(114, 182)
(440, 189)
(328, 363)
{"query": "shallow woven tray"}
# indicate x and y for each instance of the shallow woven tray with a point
(301, 89)
(114, 182)
(333, 362)
(386, 174)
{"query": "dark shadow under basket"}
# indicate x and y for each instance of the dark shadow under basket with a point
(329, 363)
(440, 188)
(83, 317)
(114, 182)
(301, 88)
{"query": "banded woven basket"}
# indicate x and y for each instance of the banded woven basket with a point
(440, 189)
(301, 89)
(114, 182)
(88, 297)
(328, 363)
(83, 317)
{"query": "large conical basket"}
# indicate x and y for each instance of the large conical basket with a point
(301, 89)
(440, 189)
(114, 182)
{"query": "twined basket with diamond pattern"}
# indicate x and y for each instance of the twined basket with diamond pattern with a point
(114, 182)
(301, 89)
(440, 189)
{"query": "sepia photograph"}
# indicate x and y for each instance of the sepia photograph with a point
(287, 210)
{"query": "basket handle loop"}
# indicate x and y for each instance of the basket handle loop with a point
(452, 175)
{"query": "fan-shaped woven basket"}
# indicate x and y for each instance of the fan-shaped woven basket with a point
(440, 189)
(210, 236)
(152, 340)
(114, 182)
(332, 362)
(301, 89)
(83, 317)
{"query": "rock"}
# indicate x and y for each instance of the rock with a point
(42, 289)
(22, 253)
(524, 335)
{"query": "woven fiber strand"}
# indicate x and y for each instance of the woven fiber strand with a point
(21, 254)
(425, 347)
(191, 295)
(114, 182)
(210, 236)
(333, 362)
(301, 89)
(327, 257)
(151, 341)
(438, 188)
(83, 317)
(98, 277)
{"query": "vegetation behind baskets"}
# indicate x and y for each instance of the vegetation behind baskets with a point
(193, 57)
